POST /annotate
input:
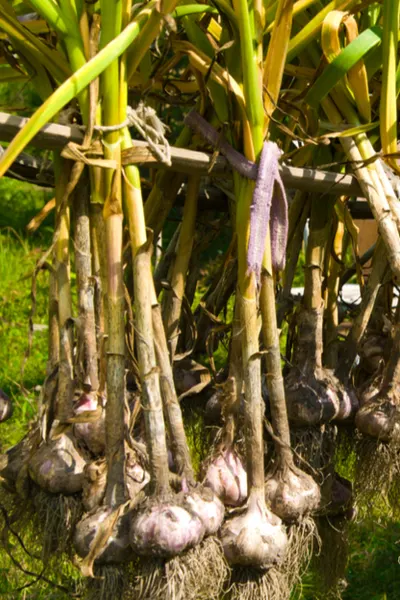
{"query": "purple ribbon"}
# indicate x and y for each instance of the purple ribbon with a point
(268, 207)
(237, 161)
(269, 204)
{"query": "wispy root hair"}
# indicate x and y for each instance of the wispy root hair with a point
(198, 574)
(314, 448)
(248, 583)
(56, 518)
(304, 541)
(20, 540)
(109, 583)
(277, 583)
(377, 475)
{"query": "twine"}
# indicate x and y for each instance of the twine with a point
(146, 122)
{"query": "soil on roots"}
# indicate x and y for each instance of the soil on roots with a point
(377, 474)
(198, 574)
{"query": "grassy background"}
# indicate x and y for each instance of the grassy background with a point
(373, 571)
(18, 256)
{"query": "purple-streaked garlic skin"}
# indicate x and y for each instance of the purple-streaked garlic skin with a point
(6, 408)
(207, 506)
(379, 418)
(165, 530)
(117, 549)
(348, 403)
(92, 434)
(255, 538)
(227, 477)
(310, 402)
(57, 467)
(236, 466)
(292, 494)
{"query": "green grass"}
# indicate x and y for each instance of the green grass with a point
(18, 256)
(374, 561)
(20, 201)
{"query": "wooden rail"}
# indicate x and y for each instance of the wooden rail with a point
(53, 136)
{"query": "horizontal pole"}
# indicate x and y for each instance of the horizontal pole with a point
(51, 137)
(31, 170)
(54, 136)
